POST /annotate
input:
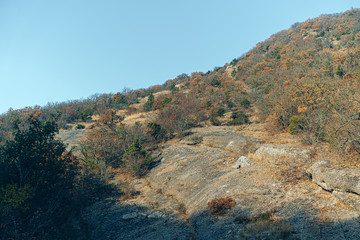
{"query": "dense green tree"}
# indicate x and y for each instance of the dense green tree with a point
(149, 104)
(137, 159)
(37, 180)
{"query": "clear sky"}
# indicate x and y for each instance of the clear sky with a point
(61, 50)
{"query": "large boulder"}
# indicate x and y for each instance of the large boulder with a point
(277, 153)
(336, 179)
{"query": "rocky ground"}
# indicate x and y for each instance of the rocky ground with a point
(282, 189)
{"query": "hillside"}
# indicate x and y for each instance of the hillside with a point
(265, 147)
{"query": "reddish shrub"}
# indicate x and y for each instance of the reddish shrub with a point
(218, 206)
(182, 113)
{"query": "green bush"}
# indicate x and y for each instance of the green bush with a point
(245, 103)
(339, 71)
(136, 159)
(215, 83)
(234, 61)
(13, 197)
(220, 112)
(239, 118)
(296, 124)
(149, 104)
(85, 114)
(214, 121)
(165, 101)
(321, 34)
(156, 131)
(208, 105)
(37, 182)
(80, 126)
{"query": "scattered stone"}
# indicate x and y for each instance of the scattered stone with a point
(156, 214)
(192, 140)
(143, 214)
(243, 162)
(130, 216)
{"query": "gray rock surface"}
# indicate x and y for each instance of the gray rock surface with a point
(226, 138)
(156, 214)
(330, 178)
(130, 216)
(174, 197)
(243, 162)
(192, 140)
(277, 153)
(349, 199)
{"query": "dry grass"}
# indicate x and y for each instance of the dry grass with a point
(264, 226)
(142, 118)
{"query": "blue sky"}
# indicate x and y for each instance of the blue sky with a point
(53, 51)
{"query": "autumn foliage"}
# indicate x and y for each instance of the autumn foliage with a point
(219, 206)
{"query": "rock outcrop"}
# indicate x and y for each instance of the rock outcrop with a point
(336, 179)
(343, 183)
(173, 199)
(277, 153)
(243, 162)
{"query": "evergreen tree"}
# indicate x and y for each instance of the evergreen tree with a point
(137, 159)
(149, 104)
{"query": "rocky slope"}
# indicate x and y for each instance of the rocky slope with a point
(278, 194)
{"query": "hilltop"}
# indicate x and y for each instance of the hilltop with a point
(265, 147)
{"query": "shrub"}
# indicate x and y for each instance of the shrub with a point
(230, 104)
(149, 104)
(214, 121)
(161, 102)
(220, 112)
(245, 103)
(215, 83)
(239, 118)
(208, 105)
(218, 206)
(182, 208)
(102, 147)
(80, 126)
(110, 118)
(339, 71)
(321, 34)
(156, 131)
(105, 145)
(228, 100)
(85, 114)
(119, 100)
(137, 159)
(234, 61)
(296, 124)
(182, 113)
(165, 101)
(264, 226)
